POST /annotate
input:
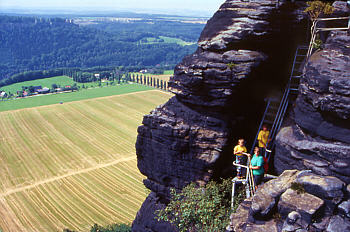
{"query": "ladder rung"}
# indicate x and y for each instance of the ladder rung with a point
(296, 77)
(268, 122)
(272, 110)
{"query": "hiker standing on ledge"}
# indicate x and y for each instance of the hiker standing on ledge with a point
(240, 158)
(263, 139)
(257, 165)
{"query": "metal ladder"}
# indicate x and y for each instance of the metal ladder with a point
(276, 107)
(274, 114)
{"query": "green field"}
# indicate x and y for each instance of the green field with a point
(49, 99)
(153, 40)
(168, 72)
(47, 82)
(72, 165)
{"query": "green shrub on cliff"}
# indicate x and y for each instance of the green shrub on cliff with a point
(109, 228)
(200, 208)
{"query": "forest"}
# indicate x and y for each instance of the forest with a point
(34, 43)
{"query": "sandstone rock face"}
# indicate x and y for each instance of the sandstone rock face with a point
(319, 139)
(338, 224)
(177, 145)
(265, 201)
(294, 210)
(191, 137)
(304, 203)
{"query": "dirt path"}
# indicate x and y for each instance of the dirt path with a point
(20, 189)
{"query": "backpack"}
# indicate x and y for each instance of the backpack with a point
(266, 164)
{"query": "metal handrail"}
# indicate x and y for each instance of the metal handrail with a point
(315, 29)
(282, 107)
(329, 19)
(261, 124)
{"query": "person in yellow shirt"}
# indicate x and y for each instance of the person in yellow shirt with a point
(240, 157)
(263, 139)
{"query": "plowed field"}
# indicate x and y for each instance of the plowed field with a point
(72, 165)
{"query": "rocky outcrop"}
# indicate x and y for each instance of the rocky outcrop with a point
(319, 138)
(190, 138)
(302, 204)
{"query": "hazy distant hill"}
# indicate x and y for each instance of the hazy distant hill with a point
(32, 43)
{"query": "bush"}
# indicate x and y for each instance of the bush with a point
(110, 228)
(200, 208)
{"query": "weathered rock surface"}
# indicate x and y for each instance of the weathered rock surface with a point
(319, 140)
(190, 138)
(240, 33)
(265, 201)
(176, 136)
(328, 187)
(293, 208)
(344, 208)
(145, 219)
(304, 203)
(338, 224)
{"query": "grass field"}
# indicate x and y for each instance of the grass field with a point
(72, 165)
(47, 82)
(68, 97)
(153, 40)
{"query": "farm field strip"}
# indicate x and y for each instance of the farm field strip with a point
(72, 165)
(77, 200)
(75, 131)
(50, 99)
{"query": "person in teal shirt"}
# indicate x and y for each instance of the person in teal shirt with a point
(257, 165)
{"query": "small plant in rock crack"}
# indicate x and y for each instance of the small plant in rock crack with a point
(231, 65)
(299, 188)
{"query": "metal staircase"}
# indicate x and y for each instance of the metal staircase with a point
(273, 116)
(301, 57)
(277, 107)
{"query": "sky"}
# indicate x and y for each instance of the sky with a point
(209, 6)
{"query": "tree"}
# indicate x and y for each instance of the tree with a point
(316, 8)
(31, 89)
(204, 209)
(54, 86)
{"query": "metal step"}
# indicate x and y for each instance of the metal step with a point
(268, 122)
(270, 115)
(303, 47)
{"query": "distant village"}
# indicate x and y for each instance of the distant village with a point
(37, 90)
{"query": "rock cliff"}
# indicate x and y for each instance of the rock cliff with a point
(219, 92)
(297, 201)
(319, 136)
